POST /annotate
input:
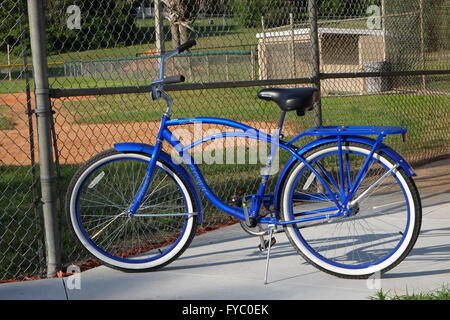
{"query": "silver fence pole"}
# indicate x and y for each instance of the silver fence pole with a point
(43, 119)
(159, 27)
(315, 57)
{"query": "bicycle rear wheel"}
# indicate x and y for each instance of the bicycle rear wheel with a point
(382, 227)
(97, 204)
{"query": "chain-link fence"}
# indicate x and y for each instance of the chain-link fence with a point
(198, 67)
(21, 238)
(102, 56)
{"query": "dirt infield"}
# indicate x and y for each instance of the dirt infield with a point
(77, 142)
(14, 143)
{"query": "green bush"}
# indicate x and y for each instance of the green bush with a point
(276, 12)
(104, 24)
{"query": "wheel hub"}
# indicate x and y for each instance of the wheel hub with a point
(353, 209)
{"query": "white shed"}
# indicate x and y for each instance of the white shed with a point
(287, 54)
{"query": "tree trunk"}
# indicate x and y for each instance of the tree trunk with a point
(184, 33)
(186, 61)
(175, 35)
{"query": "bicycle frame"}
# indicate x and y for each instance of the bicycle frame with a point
(342, 201)
(339, 134)
(248, 132)
(137, 207)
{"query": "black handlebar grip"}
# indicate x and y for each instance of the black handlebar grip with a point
(173, 79)
(186, 45)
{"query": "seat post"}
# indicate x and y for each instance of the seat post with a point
(281, 122)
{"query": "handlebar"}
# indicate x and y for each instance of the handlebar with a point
(173, 79)
(157, 90)
(187, 45)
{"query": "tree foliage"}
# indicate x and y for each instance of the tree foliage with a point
(104, 23)
(10, 32)
(276, 12)
(182, 14)
(345, 8)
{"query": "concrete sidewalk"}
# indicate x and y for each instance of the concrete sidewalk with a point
(226, 264)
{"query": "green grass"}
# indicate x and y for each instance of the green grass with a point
(426, 117)
(342, 24)
(14, 86)
(418, 113)
(363, 110)
(439, 83)
(442, 293)
(19, 239)
(6, 118)
(19, 242)
(421, 114)
(217, 35)
(137, 107)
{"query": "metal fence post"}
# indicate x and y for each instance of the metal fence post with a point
(315, 58)
(44, 117)
(159, 27)
(291, 25)
(422, 44)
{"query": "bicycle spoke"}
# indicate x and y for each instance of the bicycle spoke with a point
(163, 218)
(373, 224)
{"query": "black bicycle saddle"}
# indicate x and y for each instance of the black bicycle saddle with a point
(288, 99)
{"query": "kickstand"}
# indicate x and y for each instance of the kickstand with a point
(270, 228)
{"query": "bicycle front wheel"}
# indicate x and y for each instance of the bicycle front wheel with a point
(379, 230)
(97, 204)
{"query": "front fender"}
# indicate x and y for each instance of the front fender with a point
(166, 158)
(361, 139)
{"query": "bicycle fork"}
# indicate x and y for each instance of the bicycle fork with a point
(156, 151)
(150, 171)
(147, 181)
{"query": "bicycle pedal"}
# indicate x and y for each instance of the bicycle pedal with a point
(266, 244)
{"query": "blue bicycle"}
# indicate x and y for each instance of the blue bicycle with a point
(347, 202)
